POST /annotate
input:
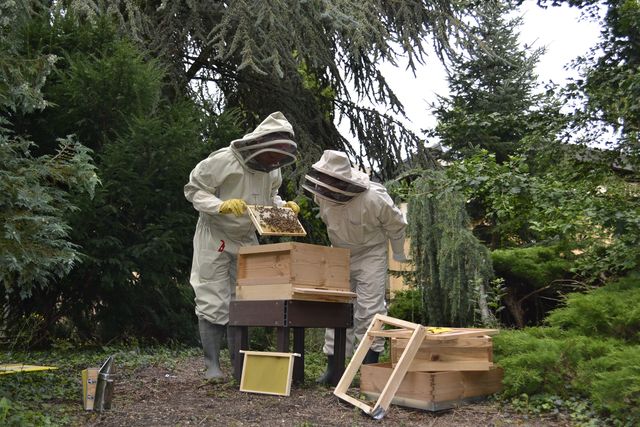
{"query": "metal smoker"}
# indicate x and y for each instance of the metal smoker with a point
(104, 388)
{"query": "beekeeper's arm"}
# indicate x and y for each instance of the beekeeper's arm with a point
(394, 224)
(201, 189)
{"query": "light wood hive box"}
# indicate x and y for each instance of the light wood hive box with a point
(431, 391)
(292, 270)
(461, 354)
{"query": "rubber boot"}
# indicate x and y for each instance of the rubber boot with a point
(211, 338)
(371, 357)
(325, 379)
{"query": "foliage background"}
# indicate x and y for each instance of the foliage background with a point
(105, 106)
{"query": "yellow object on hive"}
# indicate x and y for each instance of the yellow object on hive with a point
(437, 330)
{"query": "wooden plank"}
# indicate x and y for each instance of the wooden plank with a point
(268, 268)
(426, 405)
(321, 265)
(465, 342)
(416, 385)
(447, 356)
(393, 333)
(271, 276)
(324, 292)
(459, 365)
(286, 292)
(399, 323)
(483, 383)
(261, 280)
(459, 333)
(271, 247)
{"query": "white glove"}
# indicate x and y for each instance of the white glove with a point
(397, 247)
(400, 257)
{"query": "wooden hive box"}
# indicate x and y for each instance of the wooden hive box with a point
(431, 391)
(292, 270)
(460, 354)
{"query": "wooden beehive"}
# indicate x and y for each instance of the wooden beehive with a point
(460, 354)
(292, 270)
(431, 391)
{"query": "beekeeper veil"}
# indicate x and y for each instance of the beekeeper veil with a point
(269, 146)
(332, 178)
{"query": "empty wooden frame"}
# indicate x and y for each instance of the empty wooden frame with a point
(413, 331)
(267, 372)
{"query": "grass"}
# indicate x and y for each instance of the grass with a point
(53, 398)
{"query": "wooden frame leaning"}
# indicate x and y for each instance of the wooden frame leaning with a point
(413, 331)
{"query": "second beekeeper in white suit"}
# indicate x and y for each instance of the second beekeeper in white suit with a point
(219, 187)
(361, 216)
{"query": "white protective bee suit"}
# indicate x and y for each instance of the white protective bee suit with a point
(361, 216)
(233, 172)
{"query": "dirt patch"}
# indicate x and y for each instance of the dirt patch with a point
(154, 396)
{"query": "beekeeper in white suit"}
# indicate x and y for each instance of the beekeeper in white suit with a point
(220, 186)
(361, 216)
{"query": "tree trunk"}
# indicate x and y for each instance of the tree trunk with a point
(515, 308)
(485, 314)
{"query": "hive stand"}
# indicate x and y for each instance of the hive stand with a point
(295, 315)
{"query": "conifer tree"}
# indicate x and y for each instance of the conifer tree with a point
(35, 191)
(452, 267)
(249, 54)
(492, 104)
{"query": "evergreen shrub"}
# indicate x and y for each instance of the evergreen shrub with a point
(589, 350)
(534, 277)
(532, 267)
(613, 383)
(409, 305)
(610, 311)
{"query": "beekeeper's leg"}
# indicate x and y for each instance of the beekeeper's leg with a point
(211, 338)
(369, 272)
(329, 341)
(212, 285)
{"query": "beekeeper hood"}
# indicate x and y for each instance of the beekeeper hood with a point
(332, 178)
(269, 146)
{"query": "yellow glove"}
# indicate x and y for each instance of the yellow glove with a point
(234, 206)
(293, 206)
(436, 330)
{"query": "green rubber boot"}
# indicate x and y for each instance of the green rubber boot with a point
(325, 379)
(211, 338)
